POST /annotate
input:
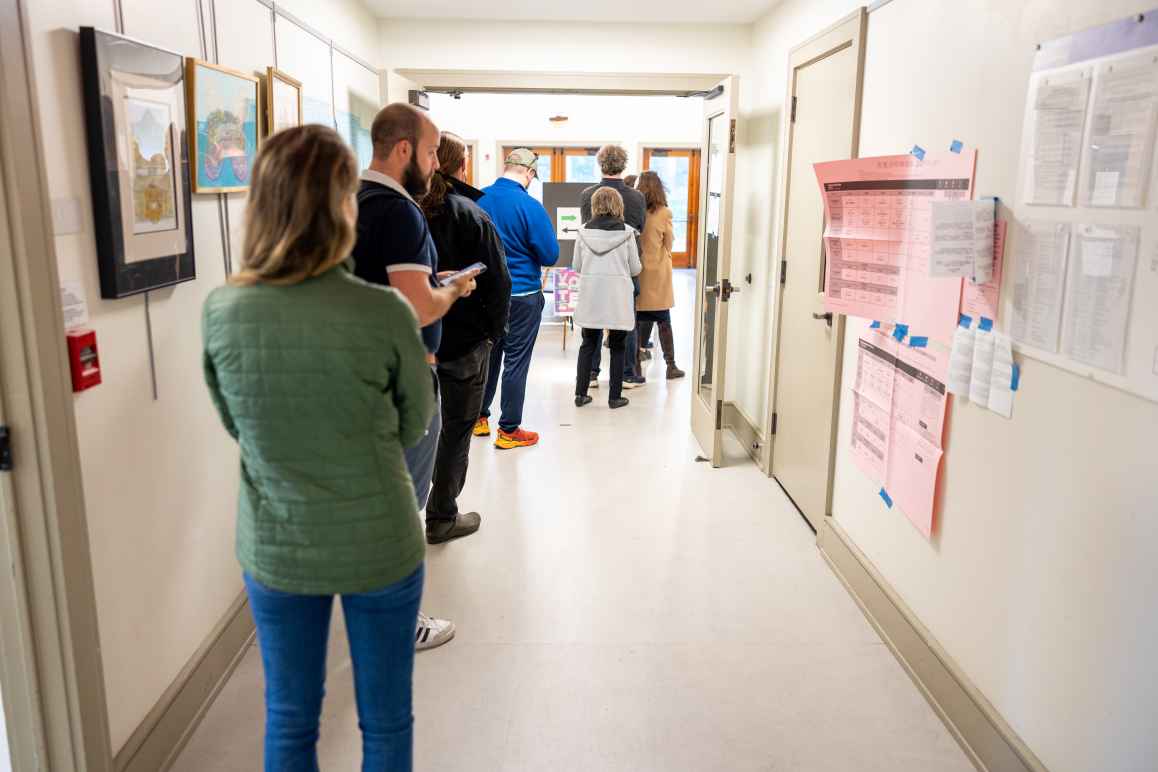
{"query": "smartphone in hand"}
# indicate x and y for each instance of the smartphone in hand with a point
(477, 268)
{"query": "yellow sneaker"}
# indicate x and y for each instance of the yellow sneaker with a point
(519, 438)
(482, 427)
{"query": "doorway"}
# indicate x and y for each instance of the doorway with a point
(680, 171)
(825, 81)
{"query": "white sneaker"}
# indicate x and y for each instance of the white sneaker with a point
(432, 632)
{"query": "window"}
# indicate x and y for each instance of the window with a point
(680, 172)
(548, 168)
(564, 164)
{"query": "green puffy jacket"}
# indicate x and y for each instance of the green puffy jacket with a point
(322, 384)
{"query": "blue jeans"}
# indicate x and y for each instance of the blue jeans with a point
(293, 631)
(516, 349)
(420, 458)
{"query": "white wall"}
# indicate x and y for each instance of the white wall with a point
(1041, 582)
(758, 166)
(5, 755)
(160, 476)
(634, 122)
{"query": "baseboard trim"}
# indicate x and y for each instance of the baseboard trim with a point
(987, 739)
(161, 737)
(744, 429)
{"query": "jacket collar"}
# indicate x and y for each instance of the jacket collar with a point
(463, 189)
(604, 222)
(378, 178)
(507, 182)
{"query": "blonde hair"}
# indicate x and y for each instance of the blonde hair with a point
(607, 201)
(612, 160)
(297, 222)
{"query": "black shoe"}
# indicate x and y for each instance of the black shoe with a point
(615, 404)
(440, 531)
(583, 399)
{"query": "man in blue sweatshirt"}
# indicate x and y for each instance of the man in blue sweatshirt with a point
(529, 238)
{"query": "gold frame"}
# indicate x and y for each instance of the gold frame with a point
(271, 74)
(191, 66)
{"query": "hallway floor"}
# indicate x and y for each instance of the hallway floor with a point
(626, 609)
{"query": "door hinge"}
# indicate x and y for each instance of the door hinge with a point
(783, 271)
(719, 414)
(5, 449)
(732, 141)
(774, 423)
(793, 117)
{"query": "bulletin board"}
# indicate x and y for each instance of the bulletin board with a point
(1081, 290)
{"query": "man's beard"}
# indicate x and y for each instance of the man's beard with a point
(416, 183)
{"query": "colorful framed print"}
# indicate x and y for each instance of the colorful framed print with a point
(283, 101)
(223, 127)
(134, 98)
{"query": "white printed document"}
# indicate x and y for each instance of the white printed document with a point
(962, 239)
(1059, 119)
(1038, 283)
(1122, 128)
(1001, 379)
(1100, 285)
(961, 361)
(982, 373)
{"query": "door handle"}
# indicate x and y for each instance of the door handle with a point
(827, 317)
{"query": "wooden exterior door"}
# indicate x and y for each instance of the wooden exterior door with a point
(680, 172)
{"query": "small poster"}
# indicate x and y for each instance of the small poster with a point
(566, 291)
(567, 223)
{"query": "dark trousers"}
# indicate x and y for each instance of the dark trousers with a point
(512, 358)
(630, 368)
(463, 383)
(592, 340)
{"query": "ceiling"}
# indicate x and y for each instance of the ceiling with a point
(611, 11)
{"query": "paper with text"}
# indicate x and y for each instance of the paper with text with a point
(961, 361)
(1059, 120)
(1001, 379)
(1038, 284)
(1099, 288)
(1122, 130)
(963, 239)
(982, 368)
(912, 476)
(984, 300)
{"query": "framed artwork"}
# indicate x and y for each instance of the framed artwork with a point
(134, 99)
(283, 101)
(223, 134)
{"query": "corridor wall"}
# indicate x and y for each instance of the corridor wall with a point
(160, 474)
(1040, 582)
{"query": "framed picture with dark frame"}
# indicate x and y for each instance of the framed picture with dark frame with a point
(283, 101)
(223, 126)
(134, 99)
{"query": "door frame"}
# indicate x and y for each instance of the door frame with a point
(644, 150)
(713, 422)
(851, 30)
(50, 656)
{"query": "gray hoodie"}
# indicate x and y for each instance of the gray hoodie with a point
(606, 261)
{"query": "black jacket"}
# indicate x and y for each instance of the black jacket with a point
(464, 235)
(634, 204)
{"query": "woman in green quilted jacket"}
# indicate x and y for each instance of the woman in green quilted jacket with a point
(322, 380)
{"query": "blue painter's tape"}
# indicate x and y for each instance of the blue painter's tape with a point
(900, 332)
(957, 146)
(965, 321)
(875, 326)
(986, 324)
(887, 498)
(1015, 381)
(919, 152)
(918, 341)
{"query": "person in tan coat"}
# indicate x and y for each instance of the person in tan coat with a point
(656, 297)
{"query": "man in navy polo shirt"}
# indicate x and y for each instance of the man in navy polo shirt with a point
(395, 248)
(531, 245)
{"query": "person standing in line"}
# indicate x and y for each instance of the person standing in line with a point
(528, 237)
(463, 235)
(394, 248)
(322, 380)
(612, 161)
(606, 258)
(656, 297)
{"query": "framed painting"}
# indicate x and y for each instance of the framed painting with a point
(283, 101)
(223, 132)
(135, 108)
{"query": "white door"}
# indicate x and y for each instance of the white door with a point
(824, 97)
(713, 285)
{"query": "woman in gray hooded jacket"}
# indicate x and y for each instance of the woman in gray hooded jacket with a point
(606, 258)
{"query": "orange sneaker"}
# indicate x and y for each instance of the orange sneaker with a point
(519, 438)
(482, 427)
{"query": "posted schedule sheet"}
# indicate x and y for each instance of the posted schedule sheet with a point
(1122, 131)
(1099, 288)
(1039, 283)
(1059, 121)
(879, 237)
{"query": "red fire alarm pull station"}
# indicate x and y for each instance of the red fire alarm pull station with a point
(83, 359)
